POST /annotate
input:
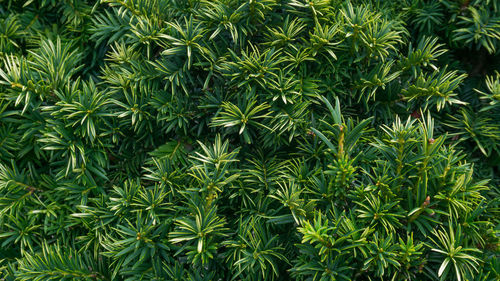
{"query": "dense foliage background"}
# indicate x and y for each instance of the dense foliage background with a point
(249, 140)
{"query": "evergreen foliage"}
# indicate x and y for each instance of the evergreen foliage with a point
(249, 140)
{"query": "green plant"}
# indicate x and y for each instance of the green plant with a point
(249, 140)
